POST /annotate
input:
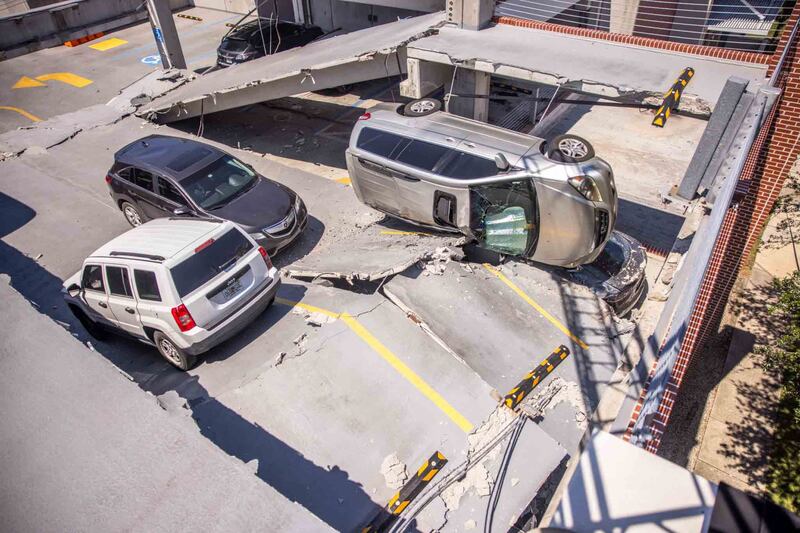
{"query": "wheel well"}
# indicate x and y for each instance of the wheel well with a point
(120, 202)
(75, 310)
(150, 332)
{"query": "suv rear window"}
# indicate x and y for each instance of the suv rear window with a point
(212, 259)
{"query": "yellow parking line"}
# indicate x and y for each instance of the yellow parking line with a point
(108, 44)
(398, 232)
(343, 181)
(403, 369)
(22, 112)
(535, 305)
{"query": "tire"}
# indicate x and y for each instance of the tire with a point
(174, 355)
(92, 328)
(132, 214)
(569, 149)
(422, 107)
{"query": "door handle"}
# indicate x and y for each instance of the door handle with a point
(130, 310)
(405, 177)
(102, 304)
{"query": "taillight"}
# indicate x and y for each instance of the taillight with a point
(203, 246)
(108, 179)
(265, 255)
(183, 318)
(365, 116)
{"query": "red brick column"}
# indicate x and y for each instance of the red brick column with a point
(765, 171)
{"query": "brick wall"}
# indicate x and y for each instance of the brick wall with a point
(697, 49)
(771, 156)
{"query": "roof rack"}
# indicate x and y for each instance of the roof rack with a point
(137, 254)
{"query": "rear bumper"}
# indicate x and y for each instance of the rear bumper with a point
(237, 322)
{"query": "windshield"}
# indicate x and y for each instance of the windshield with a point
(219, 183)
(503, 216)
(234, 44)
(212, 259)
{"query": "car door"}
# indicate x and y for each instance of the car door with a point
(142, 191)
(93, 288)
(121, 300)
(418, 196)
(169, 197)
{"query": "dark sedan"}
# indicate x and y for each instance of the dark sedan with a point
(160, 176)
(250, 40)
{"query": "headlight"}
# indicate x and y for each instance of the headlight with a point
(586, 187)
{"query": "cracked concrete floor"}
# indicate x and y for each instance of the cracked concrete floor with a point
(366, 383)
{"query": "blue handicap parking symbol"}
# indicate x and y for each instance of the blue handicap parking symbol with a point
(152, 60)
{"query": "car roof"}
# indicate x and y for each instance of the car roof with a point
(162, 237)
(175, 157)
(512, 144)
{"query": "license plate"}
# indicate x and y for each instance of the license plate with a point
(232, 290)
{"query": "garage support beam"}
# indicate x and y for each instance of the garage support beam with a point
(425, 77)
(470, 14)
(473, 84)
(165, 33)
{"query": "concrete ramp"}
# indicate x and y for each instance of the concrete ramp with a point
(351, 58)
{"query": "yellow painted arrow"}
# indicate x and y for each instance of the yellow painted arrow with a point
(25, 82)
(65, 77)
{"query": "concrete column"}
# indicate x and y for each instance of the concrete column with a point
(165, 33)
(424, 77)
(471, 82)
(623, 16)
(470, 14)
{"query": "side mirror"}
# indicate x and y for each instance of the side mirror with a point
(501, 162)
(181, 211)
(74, 290)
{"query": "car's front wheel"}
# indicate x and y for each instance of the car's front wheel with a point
(569, 148)
(132, 214)
(172, 353)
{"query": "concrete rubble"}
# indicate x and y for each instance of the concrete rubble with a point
(394, 471)
(41, 136)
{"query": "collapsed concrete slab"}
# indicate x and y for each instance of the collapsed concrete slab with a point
(503, 322)
(49, 133)
(363, 55)
(611, 70)
(375, 252)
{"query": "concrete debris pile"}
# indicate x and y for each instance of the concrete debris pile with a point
(394, 471)
(436, 262)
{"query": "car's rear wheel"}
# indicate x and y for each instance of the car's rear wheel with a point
(92, 328)
(132, 214)
(172, 353)
(422, 107)
(569, 148)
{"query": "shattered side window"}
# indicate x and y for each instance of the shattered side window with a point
(503, 216)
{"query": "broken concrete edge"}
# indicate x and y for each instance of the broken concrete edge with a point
(61, 128)
(689, 103)
(152, 112)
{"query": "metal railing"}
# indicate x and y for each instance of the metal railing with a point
(744, 25)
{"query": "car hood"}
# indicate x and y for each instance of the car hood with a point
(263, 205)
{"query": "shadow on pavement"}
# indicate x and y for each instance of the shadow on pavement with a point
(327, 492)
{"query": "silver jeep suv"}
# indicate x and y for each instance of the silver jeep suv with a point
(550, 201)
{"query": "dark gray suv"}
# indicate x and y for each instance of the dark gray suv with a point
(160, 176)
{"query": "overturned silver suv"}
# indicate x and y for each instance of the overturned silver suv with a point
(551, 201)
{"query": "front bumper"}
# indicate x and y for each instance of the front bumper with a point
(237, 322)
(274, 244)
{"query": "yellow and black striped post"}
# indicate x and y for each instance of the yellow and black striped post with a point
(408, 492)
(534, 377)
(673, 97)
